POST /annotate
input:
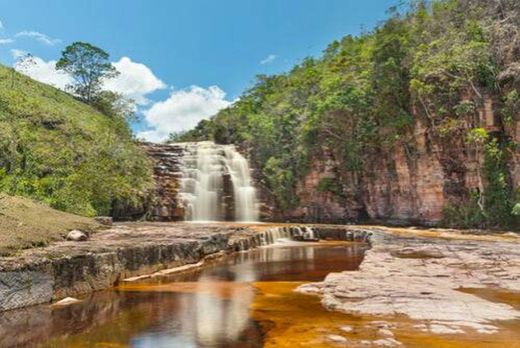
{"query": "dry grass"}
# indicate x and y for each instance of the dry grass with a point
(25, 223)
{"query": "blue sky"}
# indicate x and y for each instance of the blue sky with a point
(186, 52)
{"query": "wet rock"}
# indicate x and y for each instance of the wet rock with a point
(346, 328)
(68, 269)
(385, 333)
(166, 205)
(386, 342)
(445, 329)
(337, 339)
(512, 234)
(67, 301)
(24, 288)
(77, 236)
(422, 280)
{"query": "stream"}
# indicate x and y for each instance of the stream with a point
(219, 305)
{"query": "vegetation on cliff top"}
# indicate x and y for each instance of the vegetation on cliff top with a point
(434, 65)
(65, 153)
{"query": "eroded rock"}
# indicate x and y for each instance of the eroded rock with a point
(77, 236)
(421, 278)
(67, 301)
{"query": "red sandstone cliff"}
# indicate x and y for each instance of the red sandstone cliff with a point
(411, 182)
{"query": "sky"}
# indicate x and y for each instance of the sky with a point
(181, 61)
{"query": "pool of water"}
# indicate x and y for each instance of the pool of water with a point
(215, 306)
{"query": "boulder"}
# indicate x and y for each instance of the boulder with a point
(77, 236)
(67, 301)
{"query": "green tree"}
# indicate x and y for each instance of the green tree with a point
(89, 66)
(115, 105)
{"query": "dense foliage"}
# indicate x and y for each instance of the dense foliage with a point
(434, 64)
(65, 153)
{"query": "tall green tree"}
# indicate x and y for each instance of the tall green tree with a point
(89, 66)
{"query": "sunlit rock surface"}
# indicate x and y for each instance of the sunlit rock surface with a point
(68, 268)
(424, 278)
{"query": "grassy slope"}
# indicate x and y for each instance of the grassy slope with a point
(63, 152)
(25, 223)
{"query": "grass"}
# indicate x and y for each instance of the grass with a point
(63, 152)
(25, 223)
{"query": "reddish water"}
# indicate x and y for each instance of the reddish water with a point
(210, 307)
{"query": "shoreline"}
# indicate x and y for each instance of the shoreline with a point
(134, 251)
(443, 282)
(71, 269)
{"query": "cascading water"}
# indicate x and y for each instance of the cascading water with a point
(216, 184)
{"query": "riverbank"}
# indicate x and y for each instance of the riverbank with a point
(70, 269)
(25, 223)
(414, 287)
(446, 284)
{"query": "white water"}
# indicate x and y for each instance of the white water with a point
(205, 167)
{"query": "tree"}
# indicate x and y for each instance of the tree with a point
(115, 105)
(23, 64)
(89, 66)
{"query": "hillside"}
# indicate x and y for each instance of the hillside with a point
(416, 121)
(64, 153)
(25, 223)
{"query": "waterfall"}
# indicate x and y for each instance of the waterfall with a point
(216, 184)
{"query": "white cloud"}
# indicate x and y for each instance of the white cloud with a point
(182, 111)
(18, 53)
(44, 39)
(42, 71)
(1, 25)
(6, 41)
(135, 81)
(269, 59)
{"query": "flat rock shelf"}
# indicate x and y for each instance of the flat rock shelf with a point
(446, 283)
(409, 287)
(70, 269)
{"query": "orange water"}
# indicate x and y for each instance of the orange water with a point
(246, 300)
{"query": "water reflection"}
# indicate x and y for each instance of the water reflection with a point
(208, 307)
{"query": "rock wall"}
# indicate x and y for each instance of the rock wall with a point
(161, 204)
(410, 182)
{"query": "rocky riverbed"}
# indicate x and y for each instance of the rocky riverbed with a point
(72, 268)
(69, 268)
(435, 283)
(444, 282)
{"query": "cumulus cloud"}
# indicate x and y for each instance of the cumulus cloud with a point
(269, 59)
(1, 25)
(6, 41)
(41, 70)
(40, 37)
(135, 81)
(182, 111)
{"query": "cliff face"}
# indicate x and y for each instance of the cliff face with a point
(166, 172)
(164, 205)
(410, 182)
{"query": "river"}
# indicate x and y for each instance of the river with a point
(219, 305)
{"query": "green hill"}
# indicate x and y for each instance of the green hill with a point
(62, 152)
